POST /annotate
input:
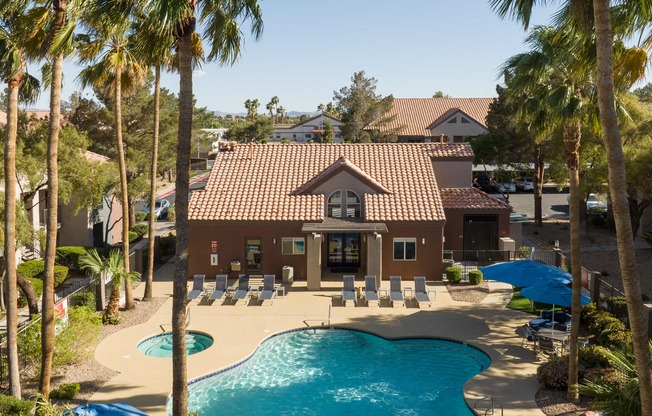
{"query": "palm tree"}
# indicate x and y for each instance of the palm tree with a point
(522, 11)
(114, 267)
(107, 50)
(14, 27)
(223, 33)
(274, 102)
(281, 110)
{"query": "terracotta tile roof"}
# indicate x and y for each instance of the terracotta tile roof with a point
(341, 164)
(451, 151)
(259, 182)
(470, 198)
(416, 114)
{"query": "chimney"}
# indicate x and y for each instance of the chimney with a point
(441, 138)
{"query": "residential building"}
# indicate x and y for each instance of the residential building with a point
(307, 131)
(327, 209)
(449, 120)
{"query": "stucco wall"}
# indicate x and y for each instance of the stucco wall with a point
(343, 181)
(429, 251)
(457, 129)
(453, 173)
(454, 230)
(75, 228)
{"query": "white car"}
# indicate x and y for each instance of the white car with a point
(593, 204)
(525, 184)
(506, 187)
(161, 208)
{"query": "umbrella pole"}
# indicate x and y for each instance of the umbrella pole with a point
(552, 327)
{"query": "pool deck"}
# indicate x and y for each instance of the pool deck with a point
(145, 382)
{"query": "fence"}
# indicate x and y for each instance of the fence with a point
(469, 260)
(23, 364)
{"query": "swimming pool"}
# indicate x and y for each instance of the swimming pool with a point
(160, 345)
(339, 371)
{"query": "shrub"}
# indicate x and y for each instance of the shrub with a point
(66, 391)
(524, 252)
(593, 356)
(602, 320)
(140, 229)
(30, 269)
(12, 406)
(615, 336)
(133, 236)
(83, 298)
(553, 374)
(454, 274)
(475, 277)
(617, 305)
(141, 216)
(60, 275)
(587, 313)
(71, 254)
(172, 214)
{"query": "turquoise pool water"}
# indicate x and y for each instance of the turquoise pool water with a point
(337, 372)
(161, 345)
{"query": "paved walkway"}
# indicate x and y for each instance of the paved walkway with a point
(145, 382)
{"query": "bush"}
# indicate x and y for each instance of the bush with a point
(133, 236)
(617, 305)
(60, 275)
(83, 298)
(30, 269)
(172, 214)
(615, 337)
(475, 277)
(141, 216)
(601, 320)
(454, 274)
(140, 229)
(554, 374)
(588, 312)
(524, 252)
(593, 356)
(71, 255)
(66, 391)
(12, 406)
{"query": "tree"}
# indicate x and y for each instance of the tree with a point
(617, 176)
(272, 107)
(13, 55)
(644, 93)
(328, 132)
(107, 49)
(360, 106)
(258, 130)
(440, 94)
(280, 111)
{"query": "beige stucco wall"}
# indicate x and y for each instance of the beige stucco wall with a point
(298, 133)
(457, 129)
(453, 173)
(343, 181)
(75, 230)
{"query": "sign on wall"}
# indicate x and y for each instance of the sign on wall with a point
(213, 246)
(213, 259)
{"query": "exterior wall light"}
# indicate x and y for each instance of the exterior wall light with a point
(423, 240)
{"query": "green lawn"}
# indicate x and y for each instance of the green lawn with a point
(519, 303)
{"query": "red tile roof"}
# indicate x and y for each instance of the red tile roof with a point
(259, 182)
(470, 198)
(416, 114)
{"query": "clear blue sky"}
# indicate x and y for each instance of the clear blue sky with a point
(310, 48)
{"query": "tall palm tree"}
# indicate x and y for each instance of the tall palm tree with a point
(107, 49)
(223, 33)
(114, 266)
(601, 12)
(14, 28)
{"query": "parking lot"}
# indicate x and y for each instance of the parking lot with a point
(553, 204)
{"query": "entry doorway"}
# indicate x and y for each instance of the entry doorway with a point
(254, 254)
(480, 234)
(343, 250)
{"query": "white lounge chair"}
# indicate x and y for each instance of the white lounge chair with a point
(242, 291)
(371, 290)
(220, 287)
(348, 291)
(268, 292)
(197, 287)
(421, 294)
(395, 291)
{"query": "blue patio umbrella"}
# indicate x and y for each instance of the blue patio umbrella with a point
(553, 293)
(525, 273)
(112, 409)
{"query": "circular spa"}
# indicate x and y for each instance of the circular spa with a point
(340, 371)
(161, 345)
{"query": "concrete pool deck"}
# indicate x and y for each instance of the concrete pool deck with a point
(145, 382)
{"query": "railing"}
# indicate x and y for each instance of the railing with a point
(24, 366)
(469, 260)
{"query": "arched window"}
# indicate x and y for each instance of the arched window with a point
(352, 205)
(335, 205)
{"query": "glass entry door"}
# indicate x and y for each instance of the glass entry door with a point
(254, 254)
(343, 250)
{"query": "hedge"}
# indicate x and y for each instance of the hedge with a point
(140, 229)
(71, 254)
(66, 391)
(454, 274)
(11, 406)
(475, 277)
(32, 270)
(141, 216)
(617, 305)
(133, 236)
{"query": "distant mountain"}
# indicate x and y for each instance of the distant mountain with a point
(287, 114)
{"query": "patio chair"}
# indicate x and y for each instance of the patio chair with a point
(528, 335)
(348, 291)
(546, 346)
(370, 290)
(395, 291)
(242, 291)
(197, 287)
(268, 292)
(220, 287)
(421, 294)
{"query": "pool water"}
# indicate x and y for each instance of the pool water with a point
(161, 345)
(336, 371)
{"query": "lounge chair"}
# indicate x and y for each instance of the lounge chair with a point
(220, 287)
(370, 290)
(395, 291)
(197, 287)
(268, 292)
(528, 335)
(546, 346)
(242, 291)
(348, 291)
(421, 294)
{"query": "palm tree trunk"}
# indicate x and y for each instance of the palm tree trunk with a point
(117, 94)
(538, 185)
(617, 191)
(47, 309)
(152, 186)
(113, 305)
(179, 370)
(10, 235)
(572, 136)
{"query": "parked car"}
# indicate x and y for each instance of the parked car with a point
(506, 187)
(593, 204)
(483, 182)
(161, 208)
(525, 184)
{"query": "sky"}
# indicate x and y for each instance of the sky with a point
(310, 48)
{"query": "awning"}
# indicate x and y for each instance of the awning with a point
(332, 225)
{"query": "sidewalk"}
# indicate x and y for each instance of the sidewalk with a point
(170, 189)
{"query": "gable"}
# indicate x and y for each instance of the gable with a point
(342, 167)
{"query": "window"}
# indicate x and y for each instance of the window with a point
(452, 120)
(352, 205)
(293, 245)
(294, 136)
(464, 120)
(308, 136)
(335, 205)
(458, 139)
(405, 249)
